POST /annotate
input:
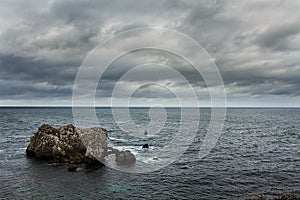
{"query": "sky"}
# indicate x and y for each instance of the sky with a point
(254, 44)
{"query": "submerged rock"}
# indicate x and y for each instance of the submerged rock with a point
(68, 144)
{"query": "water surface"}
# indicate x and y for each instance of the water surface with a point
(258, 154)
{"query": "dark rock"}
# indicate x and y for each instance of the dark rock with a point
(68, 144)
(91, 161)
(125, 157)
(72, 167)
(145, 146)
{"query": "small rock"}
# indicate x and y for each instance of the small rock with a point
(125, 157)
(72, 167)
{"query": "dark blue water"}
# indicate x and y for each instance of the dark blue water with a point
(258, 154)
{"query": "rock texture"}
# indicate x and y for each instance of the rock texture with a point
(122, 157)
(125, 157)
(68, 144)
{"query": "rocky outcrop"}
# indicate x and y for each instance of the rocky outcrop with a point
(68, 144)
(122, 157)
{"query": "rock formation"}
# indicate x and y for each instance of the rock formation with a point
(122, 157)
(125, 157)
(68, 144)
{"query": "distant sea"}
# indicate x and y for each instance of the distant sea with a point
(257, 154)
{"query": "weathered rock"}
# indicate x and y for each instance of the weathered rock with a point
(122, 157)
(125, 157)
(68, 144)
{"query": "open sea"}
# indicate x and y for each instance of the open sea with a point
(257, 154)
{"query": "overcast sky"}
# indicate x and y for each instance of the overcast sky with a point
(255, 44)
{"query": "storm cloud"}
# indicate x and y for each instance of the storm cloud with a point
(256, 46)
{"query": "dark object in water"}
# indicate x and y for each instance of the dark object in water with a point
(145, 146)
(146, 133)
(72, 167)
(122, 157)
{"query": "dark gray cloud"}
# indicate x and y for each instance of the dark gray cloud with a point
(255, 44)
(279, 36)
(27, 68)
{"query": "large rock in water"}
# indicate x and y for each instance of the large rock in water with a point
(68, 144)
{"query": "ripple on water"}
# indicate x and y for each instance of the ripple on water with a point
(258, 153)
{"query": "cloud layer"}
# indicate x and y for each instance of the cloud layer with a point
(256, 46)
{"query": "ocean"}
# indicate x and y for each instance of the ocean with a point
(257, 154)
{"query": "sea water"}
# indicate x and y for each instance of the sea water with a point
(258, 153)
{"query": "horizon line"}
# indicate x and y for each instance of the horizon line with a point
(68, 106)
